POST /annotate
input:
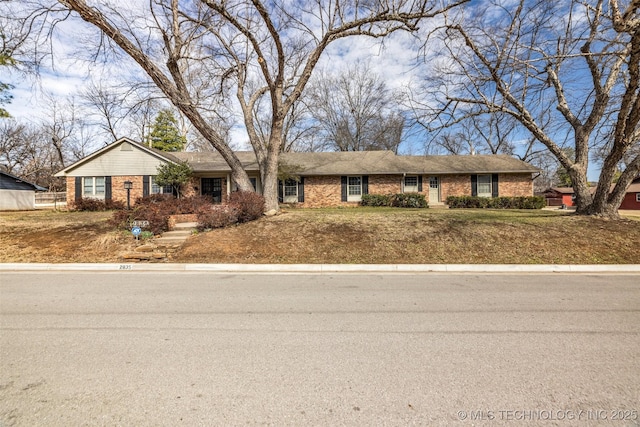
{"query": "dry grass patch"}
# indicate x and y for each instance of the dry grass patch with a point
(380, 235)
(358, 235)
(59, 236)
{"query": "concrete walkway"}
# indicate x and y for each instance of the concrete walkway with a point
(177, 236)
(160, 249)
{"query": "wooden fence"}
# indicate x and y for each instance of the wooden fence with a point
(51, 197)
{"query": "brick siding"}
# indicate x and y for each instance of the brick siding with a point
(515, 185)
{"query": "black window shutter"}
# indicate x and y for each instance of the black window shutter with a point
(78, 188)
(301, 189)
(145, 185)
(280, 192)
(107, 188)
(343, 189)
(474, 185)
(419, 183)
(494, 185)
(365, 184)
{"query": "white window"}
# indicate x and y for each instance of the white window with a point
(254, 182)
(93, 187)
(410, 184)
(638, 197)
(157, 189)
(290, 191)
(484, 186)
(354, 188)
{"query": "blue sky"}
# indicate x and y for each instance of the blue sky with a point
(395, 62)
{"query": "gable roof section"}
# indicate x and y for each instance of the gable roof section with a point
(161, 155)
(12, 182)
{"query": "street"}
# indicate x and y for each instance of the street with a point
(155, 349)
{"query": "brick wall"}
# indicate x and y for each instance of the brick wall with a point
(119, 193)
(454, 185)
(385, 184)
(322, 191)
(515, 185)
(71, 190)
(509, 185)
(117, 188)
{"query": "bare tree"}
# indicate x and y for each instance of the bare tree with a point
(26, 151)
(199, 51)
(571, 82)
(355, 110)
(105, 109)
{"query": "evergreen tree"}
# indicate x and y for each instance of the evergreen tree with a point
(5, 98)
(174, 174)
(165, 134)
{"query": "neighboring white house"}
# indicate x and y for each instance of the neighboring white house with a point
(17, 194)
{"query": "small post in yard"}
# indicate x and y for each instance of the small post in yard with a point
(128, 185)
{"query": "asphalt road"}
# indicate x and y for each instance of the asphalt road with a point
(216, 349)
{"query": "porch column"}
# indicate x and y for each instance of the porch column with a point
(228, 184)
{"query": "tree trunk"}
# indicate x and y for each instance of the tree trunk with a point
(270, 168)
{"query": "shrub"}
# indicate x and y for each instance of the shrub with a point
(462, 202)
(400, 200)
(216, 216)
(96, 205)
(409, 200)
(376, 200)
(157, 208)
(249, 205)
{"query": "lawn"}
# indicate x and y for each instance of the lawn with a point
(352, 235)
(429, 236)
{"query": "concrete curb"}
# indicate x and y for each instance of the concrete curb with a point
(331, 268)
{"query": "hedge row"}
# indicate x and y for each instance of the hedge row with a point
(532, 202)
(400, 200)
(96, 205)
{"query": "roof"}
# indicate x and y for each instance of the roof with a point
(12, 182)
(212, 161)
(561, 190)
(365, 163)
(335, 163)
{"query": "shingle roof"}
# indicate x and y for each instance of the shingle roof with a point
(12, 182)
(365, 162)
(212, 161)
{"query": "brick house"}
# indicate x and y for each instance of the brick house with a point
(323, 179)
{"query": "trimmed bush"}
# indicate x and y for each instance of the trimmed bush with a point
(376, 200)
(216, 216)
(96, 205)
(409, 200)
(467, 202)
(400, 200)
(249, 205)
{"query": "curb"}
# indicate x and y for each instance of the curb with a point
(331, 268)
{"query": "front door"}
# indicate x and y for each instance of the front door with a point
(434, 189)
(212, 187)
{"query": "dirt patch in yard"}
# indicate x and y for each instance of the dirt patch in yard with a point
(355, 235)
(419, 236)
(56, 237)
